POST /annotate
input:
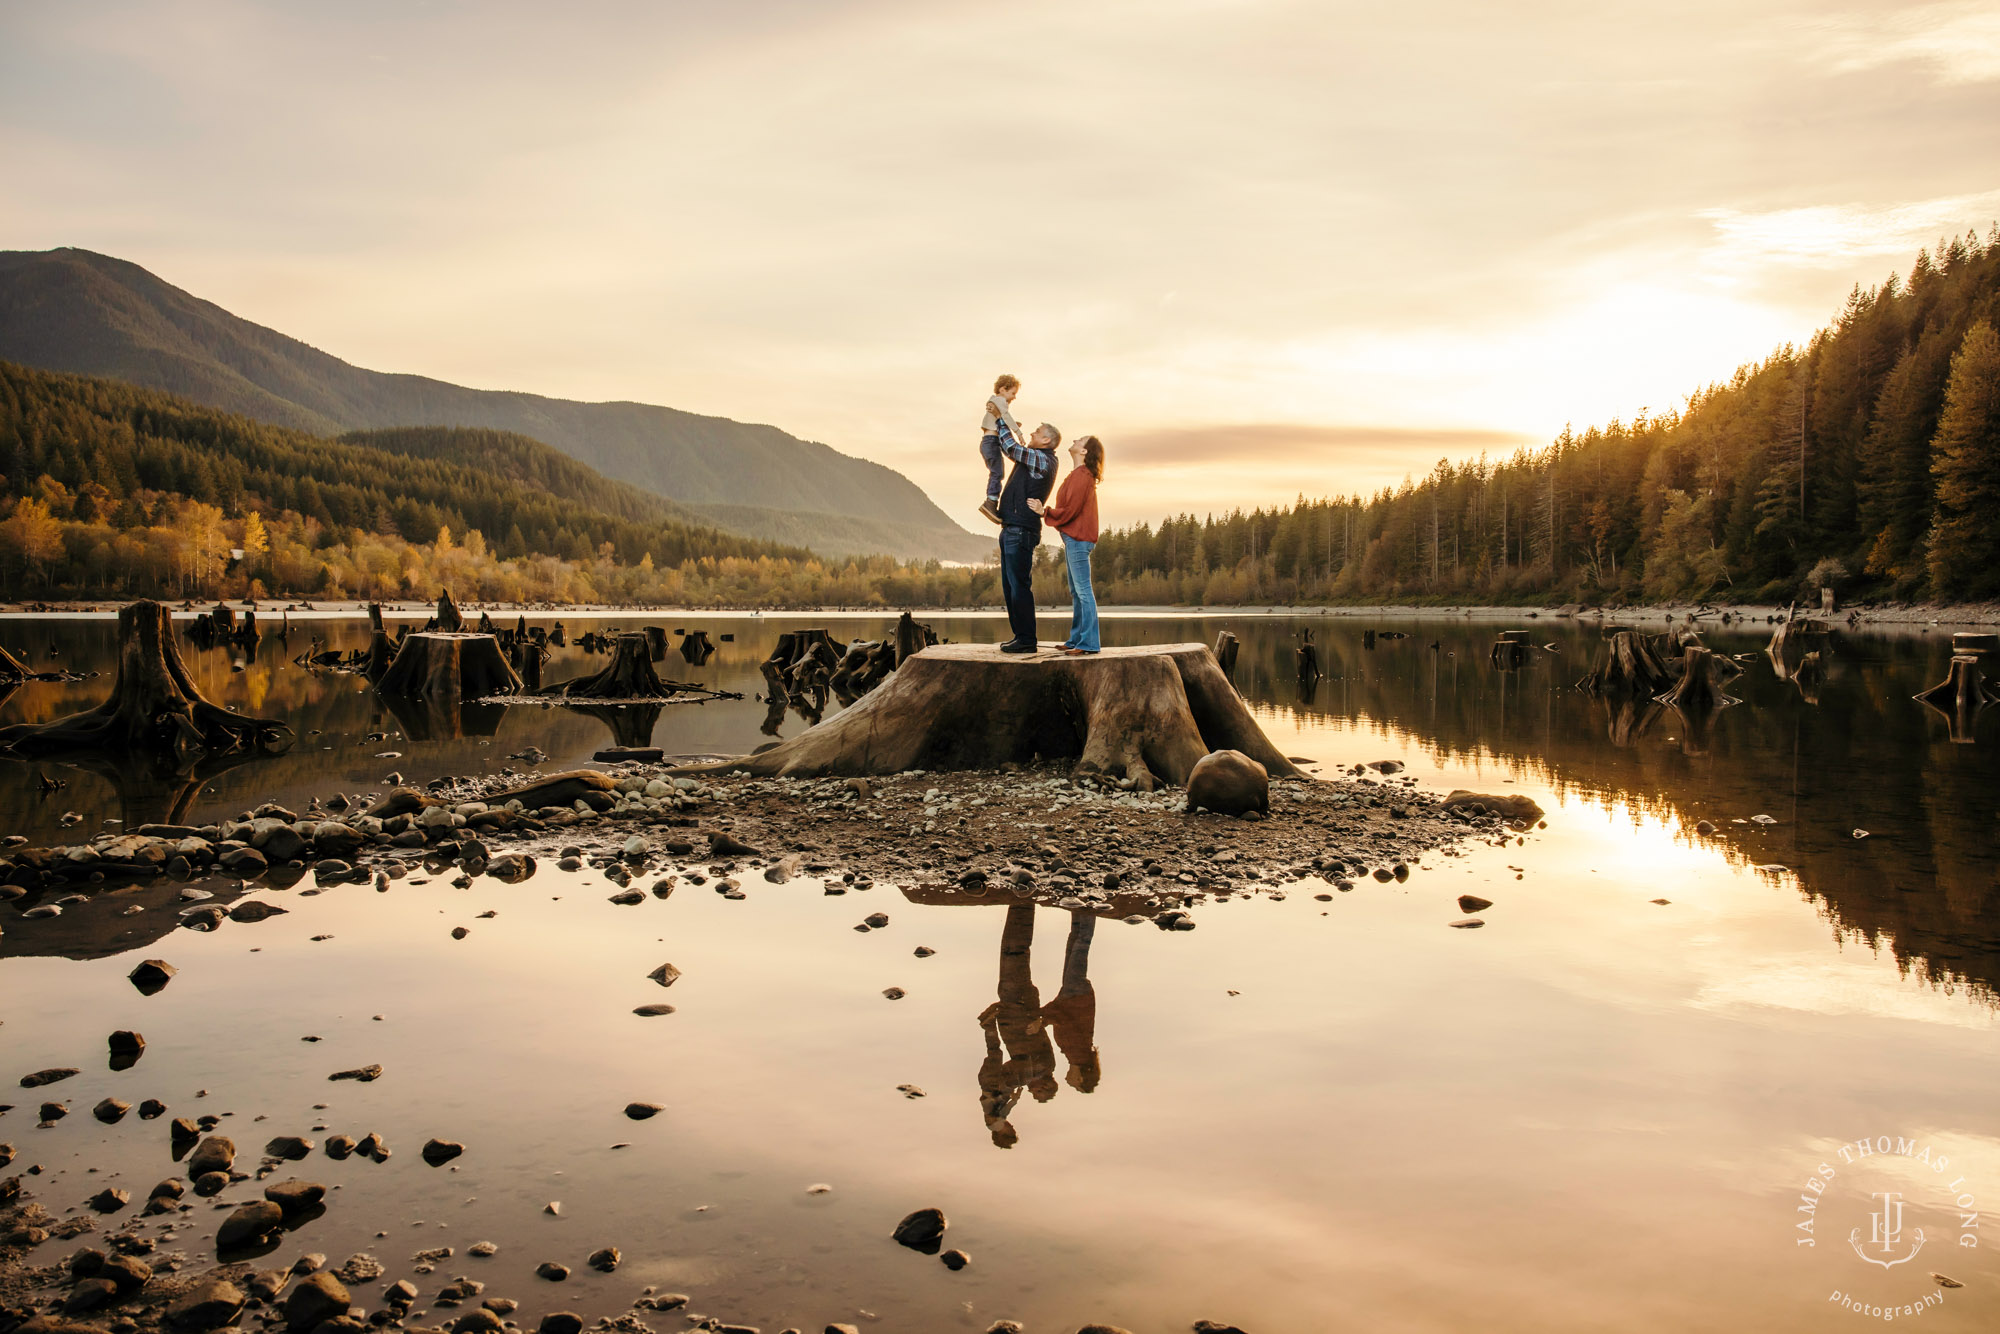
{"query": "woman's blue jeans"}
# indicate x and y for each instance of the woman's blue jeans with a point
(1082, 597)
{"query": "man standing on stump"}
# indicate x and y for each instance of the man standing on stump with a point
(1032, 478)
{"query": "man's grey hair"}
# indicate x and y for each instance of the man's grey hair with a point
(1055, 436)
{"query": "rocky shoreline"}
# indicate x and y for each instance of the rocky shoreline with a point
(1022, 835)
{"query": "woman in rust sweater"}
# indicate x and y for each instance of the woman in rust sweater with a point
(1074, 514)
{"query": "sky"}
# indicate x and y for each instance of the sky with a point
(1260, 247)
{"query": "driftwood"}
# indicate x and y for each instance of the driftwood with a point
(155, 706)
(1146, 714)
(14, 672)
(447, 665)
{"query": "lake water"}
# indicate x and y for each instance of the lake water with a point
(1598, 1112)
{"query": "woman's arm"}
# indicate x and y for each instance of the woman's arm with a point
(1069, 497)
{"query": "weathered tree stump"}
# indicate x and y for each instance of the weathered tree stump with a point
(527, 659)
(155, 706)
(656, 642)
(1627, 666)
(629, 675)
(1148, 714)
(447, 617)
(1225, 652)
(696, 648)
(1964, 690)
(381, 654)
(441, 664)
(1699, 690)
(1792, 641)
(912, 637)
(1510, 650)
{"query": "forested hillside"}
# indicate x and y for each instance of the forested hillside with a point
(106, 489)
(1868, 460)
(89, 314)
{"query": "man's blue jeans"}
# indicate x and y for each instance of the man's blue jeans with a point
(1017, 579)
(1082, 597)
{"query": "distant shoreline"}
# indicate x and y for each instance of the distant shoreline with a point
(271, 612)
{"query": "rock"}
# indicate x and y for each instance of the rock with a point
(314, 1298)
(782, 870)
(1471, 903)
(894, 993)
(49, 1076)
(282, 844)
(1104, 1329)
(338, 1147)
(337, 841)
(1229, 782)
(460, 932)
(110, 1200)
(111, 1111)
(400, 1293)
(605, 1259)
(366, 1074)
(152, 1109)
(666, 974)
(373, 1146)
(398, 801)
(246, 862)
(266, 1284)
(643, 1111)
(1214, 1327)
(552, 1271)
(207, 1305)
(653, 1011)
(214, 1154)
(211, 1183)
(129, 1272)
(254, 910)
(482, 1249)
(53, 1112)
(309, 1263)
(922, 1231)
(560, 1322)
(295, 1197)
(875, 921)
(511, 868)
(955, 1260)
(249, 1225)
(1468, 923)
(203, 919)
(438, 1152)
(1511, 806)
(629, 898)
(293, 1147)
(126, 1043)
(723, 844)
(152, 975)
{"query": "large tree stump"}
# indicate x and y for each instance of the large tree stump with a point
(155, 706)
(629, 675)
(441, 665)
(1703, 674)
(1627, 666)
(1147, 714)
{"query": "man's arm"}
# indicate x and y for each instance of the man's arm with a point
(1036, 461)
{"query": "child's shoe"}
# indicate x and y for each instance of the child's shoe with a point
(991, 509)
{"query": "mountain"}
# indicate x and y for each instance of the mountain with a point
(84, 313)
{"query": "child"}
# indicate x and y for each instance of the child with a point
(997, 417)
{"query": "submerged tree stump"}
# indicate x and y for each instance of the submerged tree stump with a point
(447, 617)
(155, 706)
(1792, 642)
(436, 664)
(696, 649)
(1226, 649)
(1703, 674)
(629, 675)
(1147, 714)
(1628, 666)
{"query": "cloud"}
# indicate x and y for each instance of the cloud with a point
(1833, 233)
(1959, 42)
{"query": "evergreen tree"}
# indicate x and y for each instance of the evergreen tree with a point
(1965, 533)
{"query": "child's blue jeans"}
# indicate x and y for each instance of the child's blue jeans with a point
(989, 450)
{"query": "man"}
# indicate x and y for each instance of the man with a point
(1033, 476)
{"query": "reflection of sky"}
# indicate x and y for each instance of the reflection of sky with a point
(1594, 1112)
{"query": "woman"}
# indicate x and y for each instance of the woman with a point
(1074, 514)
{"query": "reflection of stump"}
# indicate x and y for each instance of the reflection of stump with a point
(439, 665)
(1627, 666)
(1308, 658)
(154, 706)
(631, 724)
(443, 717)
(381, 653)
(1510, 650)
(1702, 676)
(1143, 713)
(1961, 695)
(629, 675)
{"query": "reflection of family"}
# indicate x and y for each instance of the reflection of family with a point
(1022, 503)
(1019, 1055)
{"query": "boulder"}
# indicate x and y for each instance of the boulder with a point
(315, 1298)
(922, 1231)
(1229, 782)
(249, 1225)
(214, 1154)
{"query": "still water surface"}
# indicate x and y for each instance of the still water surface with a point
(1598, 1112)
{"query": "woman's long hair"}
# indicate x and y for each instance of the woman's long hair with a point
(1093, 456)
